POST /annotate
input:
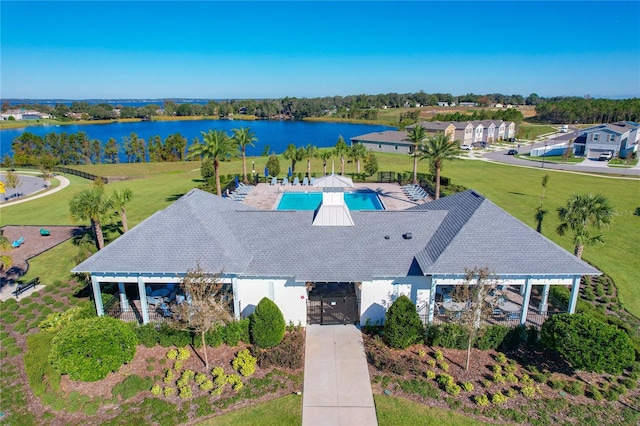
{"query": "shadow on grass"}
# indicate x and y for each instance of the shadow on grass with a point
(174, 197)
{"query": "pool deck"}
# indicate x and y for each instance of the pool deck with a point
(265, 196)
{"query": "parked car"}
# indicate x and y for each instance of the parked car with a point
(466, 147)
(512, 152)
(606, 156)
(564, 129)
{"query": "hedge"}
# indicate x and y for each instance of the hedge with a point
(402, 325)
(266, 325)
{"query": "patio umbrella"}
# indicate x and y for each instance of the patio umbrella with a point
(236, 180)
(266, 171)
(289, 171)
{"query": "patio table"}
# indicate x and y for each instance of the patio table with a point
(161, 292)
(454, 306)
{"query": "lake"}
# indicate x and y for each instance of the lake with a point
(276, 134)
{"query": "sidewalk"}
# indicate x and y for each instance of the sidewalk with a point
(337, 389)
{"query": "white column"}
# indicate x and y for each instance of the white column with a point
(97, 296)
(575, 289)
(432, 300)
(545, 299)
(523, 289)
(236, 301)
(144, 305)
(525, 301)
(124, 303)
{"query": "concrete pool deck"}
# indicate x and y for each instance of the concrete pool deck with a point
(265, 196)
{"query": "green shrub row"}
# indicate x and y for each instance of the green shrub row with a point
(231, 334)
(497, 337)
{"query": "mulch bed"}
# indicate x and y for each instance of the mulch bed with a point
(34, 244)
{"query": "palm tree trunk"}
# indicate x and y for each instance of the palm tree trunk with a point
(578, 250)
(123, 218)
(97, 230)
(216, 165)
(244, 166)
(324, 168)
(437, 181)
(358, 165)
(309, 168)
(415, 168)
(342, 166)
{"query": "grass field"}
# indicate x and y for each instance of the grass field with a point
(392, 411)
(279, 412)
(515, 189)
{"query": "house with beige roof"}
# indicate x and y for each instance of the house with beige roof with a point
(328, 265)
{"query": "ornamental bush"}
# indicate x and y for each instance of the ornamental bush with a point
(244, 363)
(402, 325)
(588, 343)
(89, 349)
(267, 324)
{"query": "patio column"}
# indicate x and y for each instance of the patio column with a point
(124, 303)
(545, 299)
(236, 301)
(97, 296)
(523, 288)
(144, 305)
(432, 300)
(575, 289)
(525, 301)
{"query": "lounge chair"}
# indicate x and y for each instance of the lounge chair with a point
(44, 232)
(274, 181)
(285, 181)
(312, 181)
(17, 243)
(296, 181)
(305, 181)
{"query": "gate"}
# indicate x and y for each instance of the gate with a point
(333, 310)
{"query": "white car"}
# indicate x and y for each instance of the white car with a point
(466, 147)
(564, 129)
(606, 156)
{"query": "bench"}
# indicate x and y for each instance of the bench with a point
(44, 232)
(25, 286)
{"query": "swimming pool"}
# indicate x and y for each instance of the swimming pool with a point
(361, 200)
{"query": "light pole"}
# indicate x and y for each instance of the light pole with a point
(543, 154)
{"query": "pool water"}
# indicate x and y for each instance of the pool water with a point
(362, 200)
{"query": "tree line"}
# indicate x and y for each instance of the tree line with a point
(581, 110)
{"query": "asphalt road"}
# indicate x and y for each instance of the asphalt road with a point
(587, 166)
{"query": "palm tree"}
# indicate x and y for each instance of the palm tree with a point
(311, 151)
(218, 146)
(341, 150)
(417, 136)
(437, 149)
(540, 214)
(294, 154)
(120, 199)
(92, 204)
(5, 252)
(325, 156)
(358, 152)
(244, 137)
(581, 212)
(544, 182)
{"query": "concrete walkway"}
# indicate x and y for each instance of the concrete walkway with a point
(337, 389)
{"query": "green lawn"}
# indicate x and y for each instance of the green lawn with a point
(392, 411)
(515, 189)
(278, 412)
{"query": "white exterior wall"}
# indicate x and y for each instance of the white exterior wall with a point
(289, 295)
(378, 295)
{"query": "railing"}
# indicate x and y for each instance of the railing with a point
(509, 319)
(60, 169)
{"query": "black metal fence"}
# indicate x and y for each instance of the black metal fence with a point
(67, 170)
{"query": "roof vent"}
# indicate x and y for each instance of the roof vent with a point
(386, 237)
(407, 236)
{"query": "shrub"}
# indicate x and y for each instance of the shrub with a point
(170, 376)
(511, 392)
(498, 398)
(529, 391)
(168, 337)
(497, 368)
(629, 383)
(443, 366)
(172, 354)
(452, 389)
(448, 335)
(235, 381)
(43, 378)
(207, 385)
(288, 354)
(402, 325)
(89, 349)
(169, 391)
(244, 363)
(595, 393)
(422, 353)
(236, 332)
(526, 380)
(557, 384)
(156, 390)
(267, 324)
(56, 320)
(130, 386)
(575, 388)
(185, 392)
(512, 367)
(430, 374)
(200, 378)
(511, 378)
(492, 337)
(445, 380)
(501, 358)
(588, 343)
(178, 365)
(183, 354)
(498, 378)
(147, 335)
(514, 338)
(439, 356)
(481, 400)
(431, 362)
(486, 383)
(467, 386)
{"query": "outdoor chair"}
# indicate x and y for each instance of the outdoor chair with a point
(512, 316)
(274, 181)
(305, 181)
(17, 243)
(296, 181)
(285, 181)
(44, 232)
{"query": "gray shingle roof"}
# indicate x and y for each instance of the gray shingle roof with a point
(447, 236)
(389, 136)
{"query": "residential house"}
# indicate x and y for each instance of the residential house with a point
(434, 127)
(386, 141)
(23, 114)
(356, 262)
(620, 138)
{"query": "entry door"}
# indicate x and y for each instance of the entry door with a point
(333, 310)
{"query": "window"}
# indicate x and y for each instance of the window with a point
(595, 137)
(379, 146)
(395, 147)
(612, 138)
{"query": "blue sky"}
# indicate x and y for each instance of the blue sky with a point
(84, 49)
